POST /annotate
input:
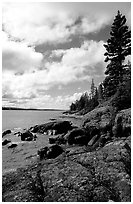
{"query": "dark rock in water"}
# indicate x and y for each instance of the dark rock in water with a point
(13, 145)
(34, 129)
(17, 133)
(6, 132)
(52, 119)
(27, 136)
(54, 127)
(50, 152)
(5, 142)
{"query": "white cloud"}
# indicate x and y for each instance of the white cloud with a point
(89, 54)
(17, 56)
(38, 23)
(42, 101)
(77, 64)
(92, 23)
(80, 62)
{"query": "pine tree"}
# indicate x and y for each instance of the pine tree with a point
(93, 88)
(72, 107)
(117, 48)
(100, 92)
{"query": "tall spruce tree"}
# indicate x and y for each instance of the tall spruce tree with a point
(117, 48)
(100, 92)
(93, 88)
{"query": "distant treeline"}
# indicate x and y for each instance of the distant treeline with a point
(116, 87)
(33, 109)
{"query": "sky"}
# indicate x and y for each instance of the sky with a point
(51, 51)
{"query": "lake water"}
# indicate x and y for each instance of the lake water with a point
(25, 152)
(24, 119)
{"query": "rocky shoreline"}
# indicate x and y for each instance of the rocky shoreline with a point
(88, 159)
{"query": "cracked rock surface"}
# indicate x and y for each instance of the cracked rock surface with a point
(78, 175)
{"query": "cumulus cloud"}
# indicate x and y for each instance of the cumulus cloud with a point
(77, 64)
(26, 72)
(42, 101)
(17, 56)
(38, 23)
(68, 99)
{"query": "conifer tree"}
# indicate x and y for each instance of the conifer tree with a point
(93, 88)
(100, 92)
(117, 48)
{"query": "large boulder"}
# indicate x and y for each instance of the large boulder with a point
(50, 152)
(77, 136)
(122, 124)
(62, 126)
(5, 142)
(54, 151)
(99, 121)
(27, 136)
(81, 140)
(53, 128)
(6, 132)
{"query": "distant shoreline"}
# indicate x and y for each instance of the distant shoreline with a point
(30, 109)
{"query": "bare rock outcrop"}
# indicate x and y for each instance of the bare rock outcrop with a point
(99, 176)
(122, 123)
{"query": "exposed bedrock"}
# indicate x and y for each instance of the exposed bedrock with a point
(122, 124)
(99, 176)
(98, 128)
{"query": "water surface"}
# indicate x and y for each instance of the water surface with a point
(21, 118)
(25, 152)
